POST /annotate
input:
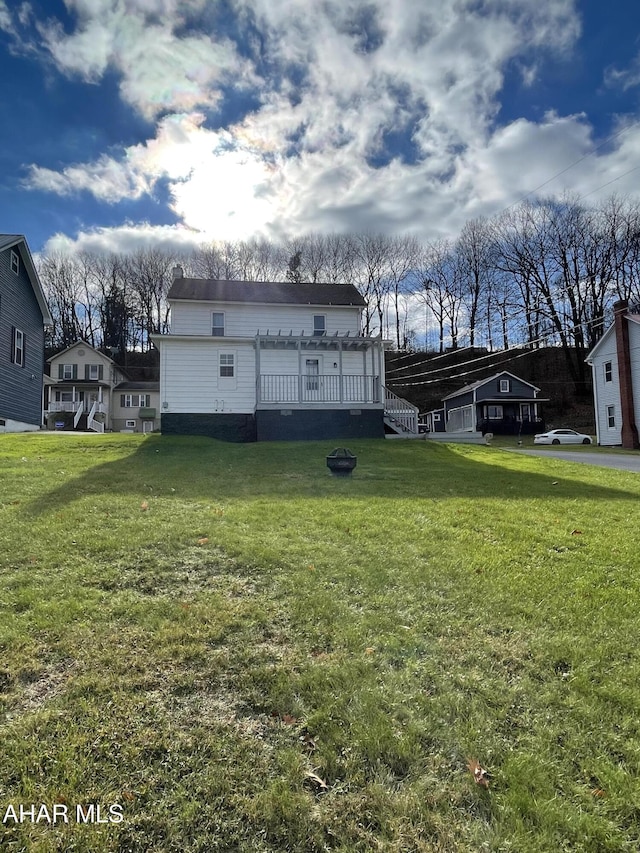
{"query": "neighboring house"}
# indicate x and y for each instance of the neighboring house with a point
(615, 365)
(434, 421)
(502, 404)
(23, 316)
(87, 390)
(250, 361)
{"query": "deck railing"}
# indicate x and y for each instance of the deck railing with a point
(318, 388)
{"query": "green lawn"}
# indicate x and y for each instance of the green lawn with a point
(236, 651)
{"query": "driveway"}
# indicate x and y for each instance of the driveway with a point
(621, 461)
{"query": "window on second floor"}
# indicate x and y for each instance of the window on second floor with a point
(319, 325)
(217, 324)
(68, 371)
(608, 372)
(15, 262)
(17, 346)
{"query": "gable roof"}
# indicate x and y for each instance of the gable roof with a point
(634, 318)
(82, 343)
(18, 241)
(474, 385)
(271, 292)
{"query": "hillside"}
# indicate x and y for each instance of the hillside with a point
(425, 378)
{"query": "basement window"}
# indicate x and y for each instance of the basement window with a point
(608, 373)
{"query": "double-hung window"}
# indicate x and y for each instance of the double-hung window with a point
(319, 325)
(505, 387)
(217, 324)
(227, 365)
(15, 262)
(611, 417)
(608, 372)
(67, 371)
(17, 347)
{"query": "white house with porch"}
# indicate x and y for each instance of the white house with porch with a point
(250, 361)
(87, 390)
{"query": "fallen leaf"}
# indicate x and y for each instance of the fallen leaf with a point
(288, 719)
(576, 532)
(598, 792)
(480, 775)
(369, 651)
(144, 506)
(203, 540)
(315, 781)
(128, 795)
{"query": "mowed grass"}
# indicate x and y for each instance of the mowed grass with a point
(244, 653)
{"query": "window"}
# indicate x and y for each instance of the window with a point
(607, 371)
(133, 401)
(67, 371)
(611, 417)
(505, 387)
(15, 262)
(129, 424)
(227, 365)
(436, 418)
(217, 324)
(17, 347)
(494, 413)
(94, 371)
(319, 325)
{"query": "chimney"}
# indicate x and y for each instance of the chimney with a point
(629, 429)
(178, 272)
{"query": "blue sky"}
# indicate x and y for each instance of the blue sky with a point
(134, 122)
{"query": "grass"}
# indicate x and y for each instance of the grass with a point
(244, 653)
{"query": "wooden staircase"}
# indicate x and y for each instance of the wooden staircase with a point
(400, 416)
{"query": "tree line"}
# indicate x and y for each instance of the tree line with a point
(544, 272)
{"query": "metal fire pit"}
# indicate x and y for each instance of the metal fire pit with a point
(341, 462)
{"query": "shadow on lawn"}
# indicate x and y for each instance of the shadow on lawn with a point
(205, 469)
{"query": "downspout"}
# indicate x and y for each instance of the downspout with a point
(629, 432)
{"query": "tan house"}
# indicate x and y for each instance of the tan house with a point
(87, 390)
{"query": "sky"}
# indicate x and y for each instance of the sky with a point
(133, 123)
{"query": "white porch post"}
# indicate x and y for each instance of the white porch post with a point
(341, 376)
(299, 371)
(258, 389)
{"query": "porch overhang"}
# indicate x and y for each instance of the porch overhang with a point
(318, 343)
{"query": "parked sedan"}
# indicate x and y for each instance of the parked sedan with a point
(561, 436)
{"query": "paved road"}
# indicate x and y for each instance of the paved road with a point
(622, 461)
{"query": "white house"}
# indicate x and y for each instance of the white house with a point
(250, 361)
(87, 390)
(615, 365)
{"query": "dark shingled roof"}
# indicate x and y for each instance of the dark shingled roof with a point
(284, 293)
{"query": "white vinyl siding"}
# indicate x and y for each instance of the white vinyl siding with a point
(607, 393)
(190, 380)
(246, 320)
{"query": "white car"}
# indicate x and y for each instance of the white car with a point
(561, 436)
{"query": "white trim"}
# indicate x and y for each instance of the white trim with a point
(15, 262)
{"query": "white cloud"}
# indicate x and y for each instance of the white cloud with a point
(342, 77)
(6, 22)
(159, 69)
